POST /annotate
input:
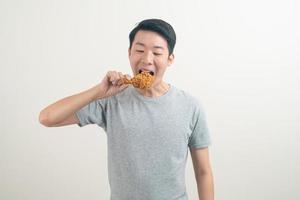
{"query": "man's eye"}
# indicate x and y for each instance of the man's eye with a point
(140, 51)
(157, 54)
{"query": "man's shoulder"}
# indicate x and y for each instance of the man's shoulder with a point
(185, 96)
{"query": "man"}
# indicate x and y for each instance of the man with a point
(149, 131)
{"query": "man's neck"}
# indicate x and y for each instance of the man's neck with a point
(156, 90)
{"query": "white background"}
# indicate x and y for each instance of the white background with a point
(240, 58)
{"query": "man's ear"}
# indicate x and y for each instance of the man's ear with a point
(129, 52)
(171, 59)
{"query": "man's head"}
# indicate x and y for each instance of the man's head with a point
(158, 26)
(151, 47)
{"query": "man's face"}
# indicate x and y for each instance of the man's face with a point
(149, 52)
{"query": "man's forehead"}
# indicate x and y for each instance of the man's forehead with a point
(137, 43)
(149, 38)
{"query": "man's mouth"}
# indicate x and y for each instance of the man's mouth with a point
(149, 71)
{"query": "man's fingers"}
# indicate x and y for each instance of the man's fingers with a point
(120, 79)
(116, 78)
(127, 76)
(120, 75)
(113, 77)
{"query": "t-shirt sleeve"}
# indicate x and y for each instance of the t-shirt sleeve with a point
(92, 113)
(200, 136)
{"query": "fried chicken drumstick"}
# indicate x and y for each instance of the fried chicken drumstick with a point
(143, 80)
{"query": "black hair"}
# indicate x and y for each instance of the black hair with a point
(158, 26)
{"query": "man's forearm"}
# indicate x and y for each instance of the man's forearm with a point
(205, 186)
(63, 108)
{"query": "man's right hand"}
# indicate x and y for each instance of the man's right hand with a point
(112, 84)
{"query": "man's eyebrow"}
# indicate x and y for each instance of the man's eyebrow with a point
(158, 47)
(139, 43)
(142, 44)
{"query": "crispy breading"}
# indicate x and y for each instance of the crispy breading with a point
(143, 80)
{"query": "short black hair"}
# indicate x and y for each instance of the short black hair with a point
(159, 26)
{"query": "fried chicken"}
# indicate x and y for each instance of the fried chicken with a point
(142, 80)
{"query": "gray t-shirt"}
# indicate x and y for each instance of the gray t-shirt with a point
(148, 141)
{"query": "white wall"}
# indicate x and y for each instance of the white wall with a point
(241, 58)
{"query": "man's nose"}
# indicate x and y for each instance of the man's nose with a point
(147, 58)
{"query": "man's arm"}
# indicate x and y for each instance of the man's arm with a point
(203, 173)
(63, 111)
